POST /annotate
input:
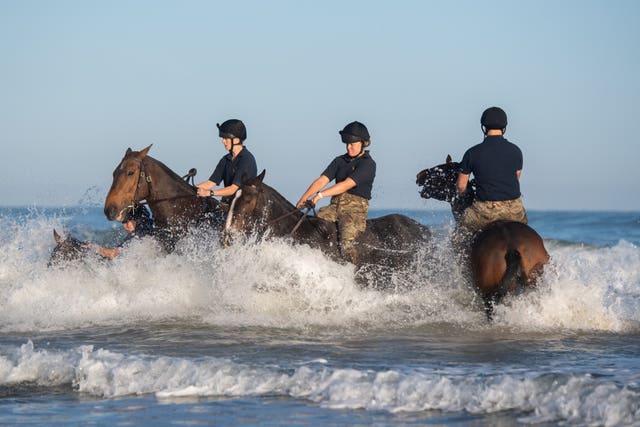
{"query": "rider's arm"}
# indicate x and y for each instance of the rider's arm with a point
(226, 191)
(461, 183)
(106, 252)
(204, 188)
(315, 186)
(335, 190)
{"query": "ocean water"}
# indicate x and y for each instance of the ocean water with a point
(267, 333)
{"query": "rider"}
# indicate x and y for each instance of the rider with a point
(137, 223)
(496, 165)
(232, 168)
(354, 173)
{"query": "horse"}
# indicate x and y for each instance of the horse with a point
(67, 250)
(388, 242)
(174, 204)
(505, 257)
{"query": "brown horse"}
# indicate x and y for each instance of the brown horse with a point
(173, 201)
(389, 242)
(504, 257)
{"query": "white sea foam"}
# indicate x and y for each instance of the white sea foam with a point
(576, 398)
(276, 284)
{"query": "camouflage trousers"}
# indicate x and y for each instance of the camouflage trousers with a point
(350, 212)
(480, 213)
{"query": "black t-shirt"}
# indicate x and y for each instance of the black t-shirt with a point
(230, 171)
(360, 169)
(494, 164)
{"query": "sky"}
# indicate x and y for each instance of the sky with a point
(82, 81)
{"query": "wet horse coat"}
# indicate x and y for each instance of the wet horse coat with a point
(389, 241)
(173, 201)
(504, 257)
(68, 249)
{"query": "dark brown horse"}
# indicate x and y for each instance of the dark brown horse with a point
(68, 249)
(388, 242)
(504, 257)
(172, 200)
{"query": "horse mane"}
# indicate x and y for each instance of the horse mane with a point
(279, 198)
(171, 174)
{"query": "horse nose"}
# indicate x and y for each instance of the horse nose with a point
(110, 211)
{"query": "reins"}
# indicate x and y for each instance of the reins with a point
(304, 215)
(308, 207)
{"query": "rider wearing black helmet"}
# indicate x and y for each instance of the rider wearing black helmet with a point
(496, 165)
(233, 167)
(354, 173)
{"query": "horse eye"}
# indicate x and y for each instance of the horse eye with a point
(130, 173)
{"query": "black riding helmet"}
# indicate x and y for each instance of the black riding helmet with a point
(494, 118)
(354, 132)
(232, 128)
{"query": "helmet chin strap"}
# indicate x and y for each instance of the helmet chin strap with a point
(233, 144)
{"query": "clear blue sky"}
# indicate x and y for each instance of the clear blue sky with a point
(80, 81)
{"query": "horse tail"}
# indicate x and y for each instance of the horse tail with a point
(513, 275)
(511, 280)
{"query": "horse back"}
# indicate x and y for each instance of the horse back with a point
(494, 251)
(395, 231)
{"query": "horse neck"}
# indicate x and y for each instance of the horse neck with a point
(460, 203)
(275, 206)
(165, 184)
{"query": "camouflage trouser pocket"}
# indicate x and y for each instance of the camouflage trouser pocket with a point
(350, 212)
(479, 214)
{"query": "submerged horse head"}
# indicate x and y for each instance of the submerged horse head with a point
(68, 249)
(128, 185)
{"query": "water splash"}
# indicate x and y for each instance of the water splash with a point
(275, 284)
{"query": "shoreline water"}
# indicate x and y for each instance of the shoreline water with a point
(270, 334)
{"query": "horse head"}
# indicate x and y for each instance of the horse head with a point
(69, 249)
(246, 208)
(127, 188)
(439, 183)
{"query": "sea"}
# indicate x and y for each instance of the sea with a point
(268, 333)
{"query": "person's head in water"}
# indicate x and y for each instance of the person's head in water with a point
(493, 121)
(356, 136)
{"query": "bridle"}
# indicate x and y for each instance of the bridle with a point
(143, 176)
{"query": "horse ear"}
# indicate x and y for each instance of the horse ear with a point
(143, 153)
(448, 158)
(129, 151)
(56, 237)
(261, 176)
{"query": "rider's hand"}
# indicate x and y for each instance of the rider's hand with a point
(203, 193)
(300, 203)
(316, 199)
